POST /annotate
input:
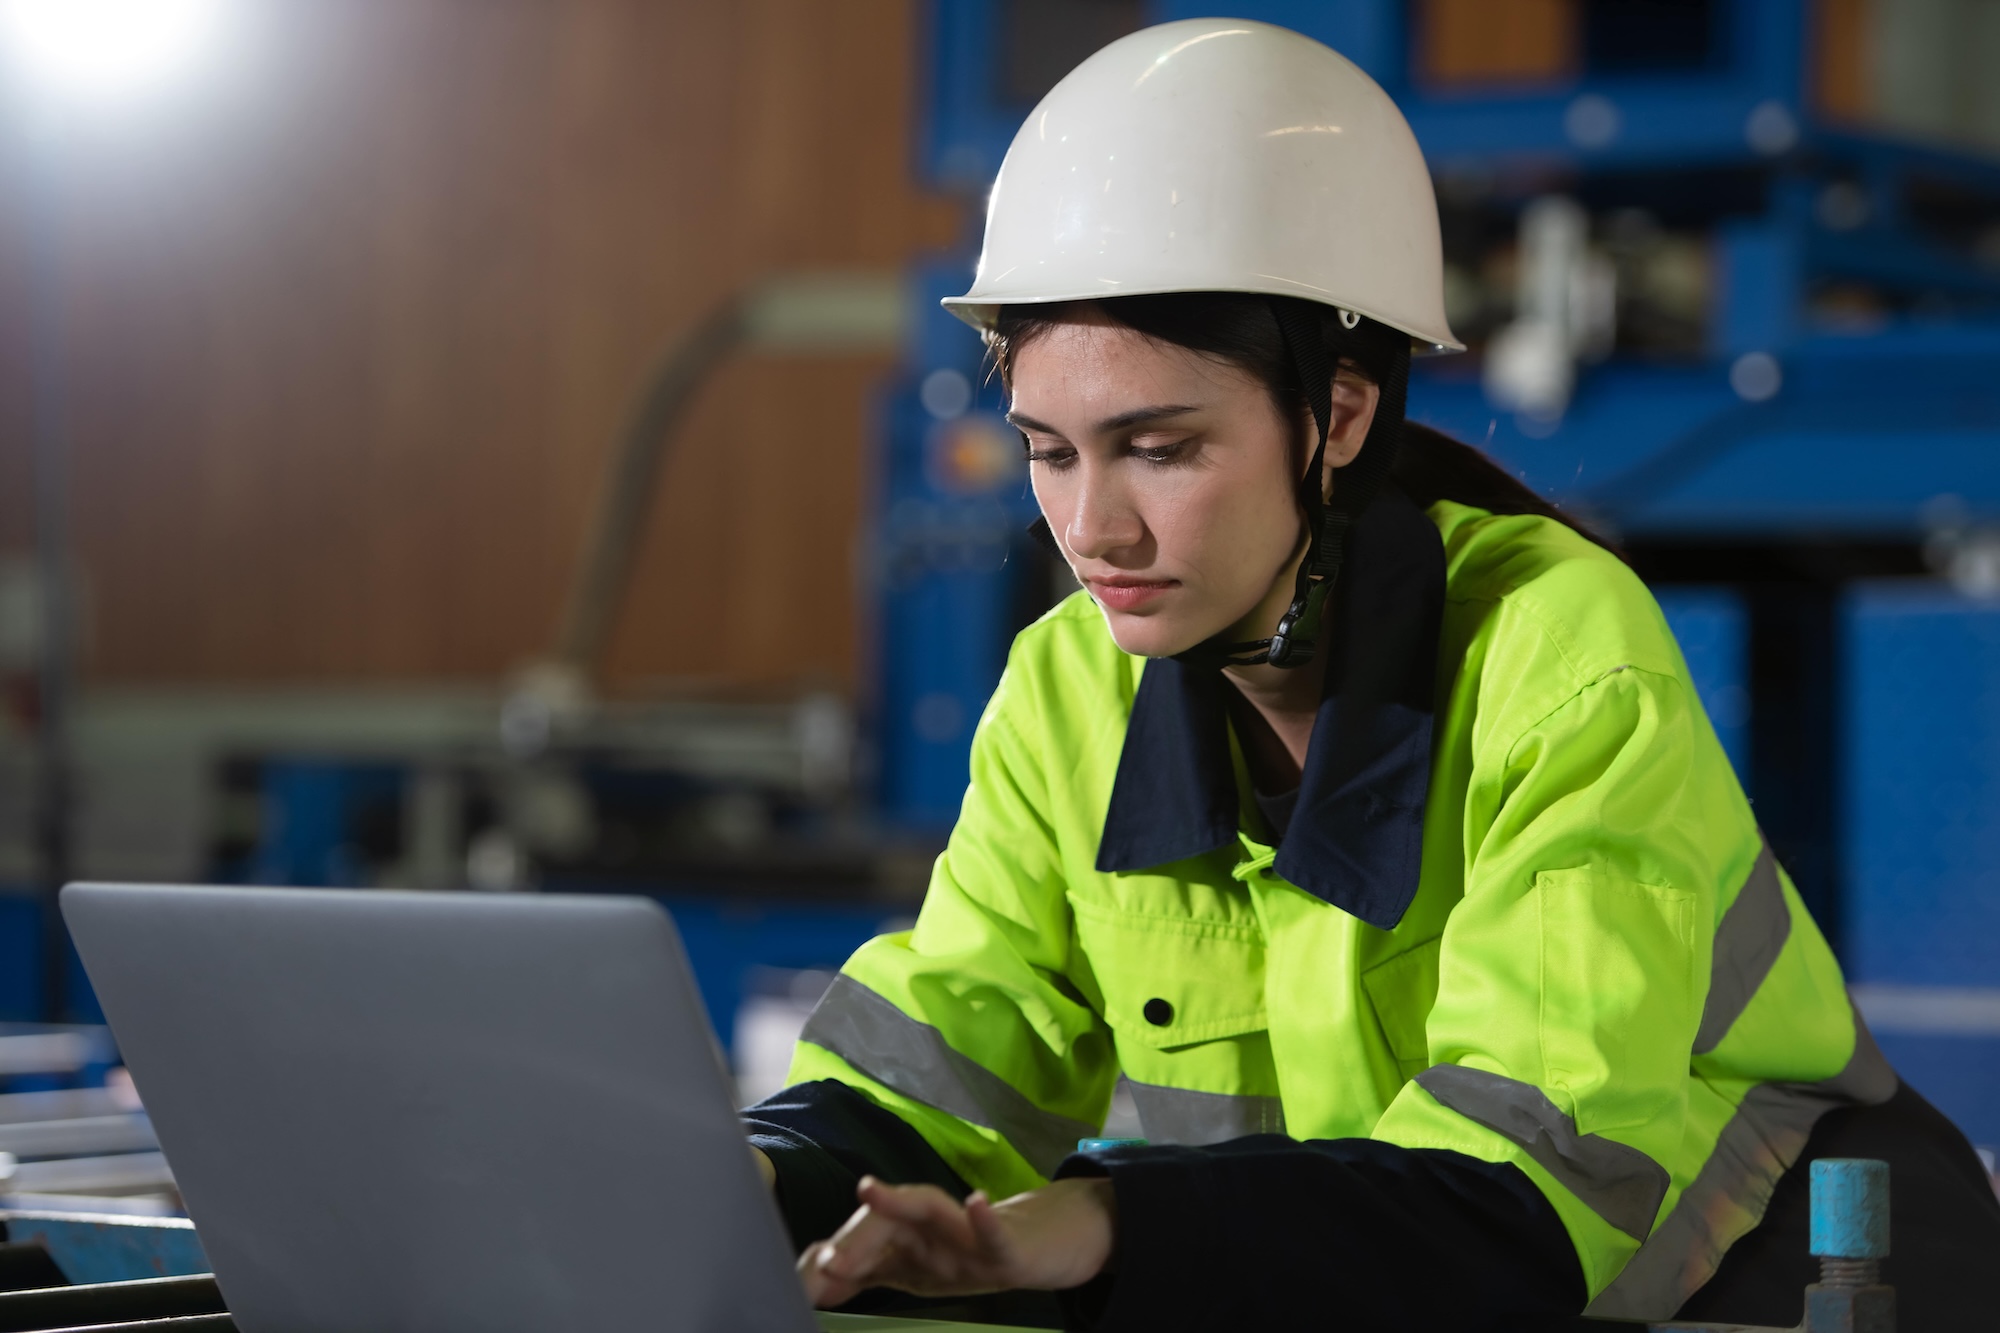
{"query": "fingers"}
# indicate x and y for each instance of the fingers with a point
(987, 1226)
(921, 1206)
(917, 1238)
(914, 1237)
(836, 1270)
(822, 1288)
(860, 1255)
(847, 1261)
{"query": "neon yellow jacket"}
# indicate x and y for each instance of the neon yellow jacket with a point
(1605, 978)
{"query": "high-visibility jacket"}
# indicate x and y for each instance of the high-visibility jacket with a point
(1604, 979)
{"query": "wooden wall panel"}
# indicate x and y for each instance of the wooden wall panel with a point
(353, 333)
(1840, 58)
(1481, 43)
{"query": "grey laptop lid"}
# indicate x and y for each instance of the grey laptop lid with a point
(439, 1112)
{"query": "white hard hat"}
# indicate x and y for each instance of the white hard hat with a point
(1216, 155)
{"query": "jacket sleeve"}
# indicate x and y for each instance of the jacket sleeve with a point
(821, 1138)
(1573, 972)
(967, 1026)
(1264, 1232)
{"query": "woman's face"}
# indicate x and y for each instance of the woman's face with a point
(1167, 477)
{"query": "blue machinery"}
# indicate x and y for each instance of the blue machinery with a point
(1782, 434)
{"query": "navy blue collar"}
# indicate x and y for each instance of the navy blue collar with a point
(1357, 834)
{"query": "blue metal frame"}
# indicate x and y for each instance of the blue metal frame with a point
(110, 1248)
(1922, 699)
(21, 965)
(946, 563)
(1663, 119)
(1713, 627)
(1920, 782)
(1866, 433)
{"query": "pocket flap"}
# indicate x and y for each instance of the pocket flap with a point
(1171, 981)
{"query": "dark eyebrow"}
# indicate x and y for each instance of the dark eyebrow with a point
(1119, 422)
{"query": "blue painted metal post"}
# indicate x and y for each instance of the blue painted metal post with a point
(1758, 263)
(954, 508)
(1712, 625)
(1850, 1237)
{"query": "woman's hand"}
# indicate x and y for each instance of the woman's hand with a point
(919, 1239)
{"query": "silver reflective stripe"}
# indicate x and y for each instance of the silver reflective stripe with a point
(1747, 941)
(1176, 1115)
(892, 1048)
(1729, 1194)
(1617, 1182)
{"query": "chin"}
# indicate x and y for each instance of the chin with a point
(1149, 636)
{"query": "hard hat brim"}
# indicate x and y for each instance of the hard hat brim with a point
(982, 310)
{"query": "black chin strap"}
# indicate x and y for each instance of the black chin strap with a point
(1306, 328)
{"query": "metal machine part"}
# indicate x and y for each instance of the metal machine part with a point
(391, 787)
(1566, 312)
(1850, 1238)
(89, 1147)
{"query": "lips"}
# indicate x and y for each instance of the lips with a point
(1129, 594)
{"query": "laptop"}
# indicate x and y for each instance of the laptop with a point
(398, 1111)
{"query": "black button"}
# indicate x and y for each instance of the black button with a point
(1159, 1013)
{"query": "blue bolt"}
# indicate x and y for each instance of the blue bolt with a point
(1850, 1208)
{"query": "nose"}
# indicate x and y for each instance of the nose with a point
(1104, 520)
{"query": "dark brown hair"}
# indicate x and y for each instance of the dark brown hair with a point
(1240, 328)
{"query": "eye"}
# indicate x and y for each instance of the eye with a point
(1056, 458)
(1165, 455)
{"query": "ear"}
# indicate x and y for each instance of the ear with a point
(1354, 401)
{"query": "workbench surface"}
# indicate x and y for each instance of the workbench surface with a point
(868, 1323)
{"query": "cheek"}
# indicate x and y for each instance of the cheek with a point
(1232, 533)
(1057, 503)
(1049, 496)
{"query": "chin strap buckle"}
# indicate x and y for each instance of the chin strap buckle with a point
(1297, 636)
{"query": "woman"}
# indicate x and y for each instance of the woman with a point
(1359, 812)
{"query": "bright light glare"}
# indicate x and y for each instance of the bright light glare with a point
(108, 49)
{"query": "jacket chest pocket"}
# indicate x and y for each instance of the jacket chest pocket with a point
(1174, 981)
(1402, 991)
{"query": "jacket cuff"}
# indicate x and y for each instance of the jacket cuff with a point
(815, 1192)
(1169, 1243)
